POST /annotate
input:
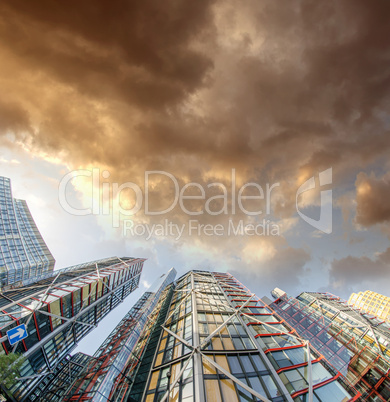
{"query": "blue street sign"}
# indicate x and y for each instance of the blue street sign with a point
(17, 334)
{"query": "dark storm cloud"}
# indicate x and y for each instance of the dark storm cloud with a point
(373, 195)
(305, 99)
(13, 118)
(361, 273)
(138, 51)
(197, 88)
(95, 59)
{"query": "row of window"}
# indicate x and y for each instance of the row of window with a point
(59, 345)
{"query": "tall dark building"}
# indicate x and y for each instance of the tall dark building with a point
(355, 343)
(209, 339)
(23, 252)
(58, 309)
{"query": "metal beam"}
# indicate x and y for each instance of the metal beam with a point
(60, 328)
(174, 310)
(197, 353)
(31, 377)
(225, 322)
(67, 282)
(170, 387)
(39, 305)
(198, 365)
(364, 324)
(235, 379)
(268, 364)
(179, 338)
(310, 372)
(65, 318)
(271, 326)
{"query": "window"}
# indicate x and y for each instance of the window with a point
(258, 362)
(248, 367)
(234, 365)
(212, 391)
(332, 392)
(256, 385)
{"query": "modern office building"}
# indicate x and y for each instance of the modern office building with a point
(356, 344)
(23, 252)
(99, 377)
(208, 339)
(58, 309)
(371, 302)
(221, 343)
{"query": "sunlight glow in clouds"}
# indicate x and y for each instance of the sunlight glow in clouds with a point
(197, 89)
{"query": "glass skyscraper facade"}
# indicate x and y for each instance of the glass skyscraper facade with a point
(356, 344)
(216, 341)
(23, 252)
(221, 343)
(117, 358)
(58, 309)
(205, 337)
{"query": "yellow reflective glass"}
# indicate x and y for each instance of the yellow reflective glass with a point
(153, 381)
(207, 367)
(228, 391)
(222, 361)
(217, 344)
(212, 391)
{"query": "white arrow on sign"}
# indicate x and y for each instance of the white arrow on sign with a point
(18, 334)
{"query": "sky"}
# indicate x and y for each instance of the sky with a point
(122, 123)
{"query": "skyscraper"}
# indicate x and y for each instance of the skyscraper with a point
(101, 375)
(221, 343)
(213, 340)
(371, 302)
(23, 252)
(58, 309)
(356, 344)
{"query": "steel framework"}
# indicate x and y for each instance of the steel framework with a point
(237, 302)
(58, 313)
